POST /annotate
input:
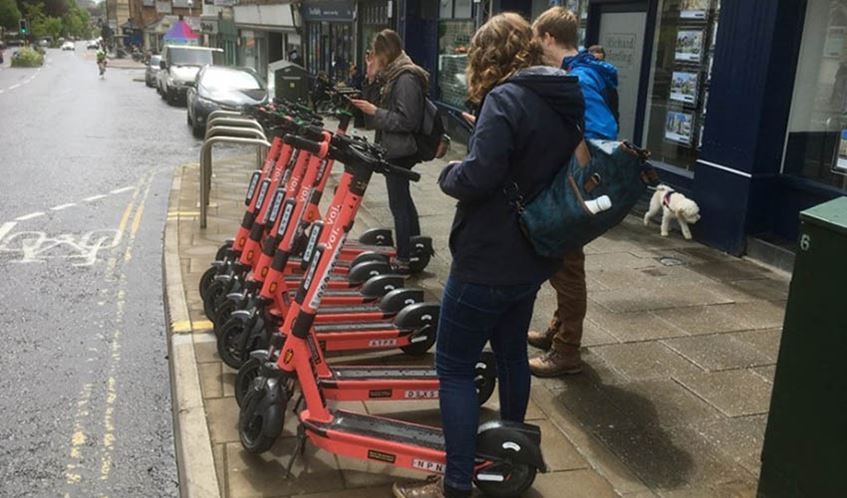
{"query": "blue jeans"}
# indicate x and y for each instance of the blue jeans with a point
(472, 315)
(406, 223)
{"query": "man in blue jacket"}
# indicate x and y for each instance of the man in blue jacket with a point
(556, 30)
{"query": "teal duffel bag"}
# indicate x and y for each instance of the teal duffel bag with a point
(584, 201)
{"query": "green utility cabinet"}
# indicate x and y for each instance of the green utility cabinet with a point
(805, 449)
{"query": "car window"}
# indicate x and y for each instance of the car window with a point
(155, 60)
(230, 80)
(185, 56)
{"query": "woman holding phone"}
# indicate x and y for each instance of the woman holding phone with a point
(395, 89)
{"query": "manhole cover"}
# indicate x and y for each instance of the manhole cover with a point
(671, 261)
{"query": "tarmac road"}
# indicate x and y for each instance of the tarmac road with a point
(85, 168)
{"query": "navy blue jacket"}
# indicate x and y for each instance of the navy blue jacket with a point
(527, 130)
(596, 77)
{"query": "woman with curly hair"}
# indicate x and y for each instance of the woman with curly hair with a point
(529, 123)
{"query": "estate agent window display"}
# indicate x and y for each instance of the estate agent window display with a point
(680, 78)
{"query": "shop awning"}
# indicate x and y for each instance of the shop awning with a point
(181, 34)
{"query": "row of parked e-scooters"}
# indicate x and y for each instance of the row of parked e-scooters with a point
(291, 287)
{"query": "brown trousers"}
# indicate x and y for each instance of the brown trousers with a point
(572, 300)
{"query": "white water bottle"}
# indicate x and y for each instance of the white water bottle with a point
(599, 204)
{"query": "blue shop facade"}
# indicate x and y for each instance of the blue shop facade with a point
(741, 102)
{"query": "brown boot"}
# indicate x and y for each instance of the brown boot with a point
(543, 340)
(430, 488)
(556, 362)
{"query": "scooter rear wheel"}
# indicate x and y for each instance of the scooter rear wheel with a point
(485, 377)
(420, 348)
(520, 478)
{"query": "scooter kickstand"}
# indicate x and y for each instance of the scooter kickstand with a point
(299, 450)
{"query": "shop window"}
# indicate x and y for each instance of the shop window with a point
(679, 80)
(454, 38)
(816, 146)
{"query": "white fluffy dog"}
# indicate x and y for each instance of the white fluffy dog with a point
(673, 205)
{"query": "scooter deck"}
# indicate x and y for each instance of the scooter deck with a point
(382, 373)
(332, 310)
(385, 429)
(353, 327)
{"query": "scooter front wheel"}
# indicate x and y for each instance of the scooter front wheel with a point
(206, 280)
(222, 250)
(519, 478)
(229, 343)
(214, 292)
(259, 425)
(246, 375)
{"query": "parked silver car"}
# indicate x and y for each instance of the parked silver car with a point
(152, 70)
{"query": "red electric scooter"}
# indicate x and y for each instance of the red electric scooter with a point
(508, 454)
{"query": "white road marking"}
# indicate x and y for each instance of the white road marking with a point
(63, 206)
(95, 198)
(30, 216)
(120, 190)
(6, 228)
(16, 85)
(1, 91)
(38, 247)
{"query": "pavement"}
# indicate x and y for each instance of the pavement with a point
(85, 173)
(680, 346)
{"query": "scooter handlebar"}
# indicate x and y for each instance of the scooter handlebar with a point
(302, 143)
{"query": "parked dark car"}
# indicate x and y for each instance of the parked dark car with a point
(219, 87)
(179, 67)
(152, 70)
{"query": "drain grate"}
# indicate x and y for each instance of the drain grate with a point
(671, 261)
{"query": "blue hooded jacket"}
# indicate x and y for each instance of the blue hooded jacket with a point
(595, 76)
(527, 130)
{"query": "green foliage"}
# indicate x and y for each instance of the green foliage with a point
(27, 57)
(72, 20)
(9, 14)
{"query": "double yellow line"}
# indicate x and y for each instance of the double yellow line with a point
(129, 230)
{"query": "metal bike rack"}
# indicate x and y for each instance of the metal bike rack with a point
(227, 127)
(261, 144)
(233, 121)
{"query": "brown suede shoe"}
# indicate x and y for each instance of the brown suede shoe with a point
(555, 363)
(433, 487)
(543, 340)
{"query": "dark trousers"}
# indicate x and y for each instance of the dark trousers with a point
(406, 223)
(472, 315)
(571, 299)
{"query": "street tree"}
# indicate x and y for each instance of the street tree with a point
(9, 14)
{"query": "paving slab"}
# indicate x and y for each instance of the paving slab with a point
(645, 360)
(264, 475)
(671, 296)
(694, 320)
(739, 439)
(575, 484)
(635, 326)
(734, 392)
(718, 352)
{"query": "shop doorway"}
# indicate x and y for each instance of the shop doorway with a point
(621, 28)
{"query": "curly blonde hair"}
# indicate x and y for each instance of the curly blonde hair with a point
(500, 48)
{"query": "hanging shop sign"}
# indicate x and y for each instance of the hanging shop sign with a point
(333, 10)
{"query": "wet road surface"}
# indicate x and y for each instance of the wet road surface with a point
(85, 168)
